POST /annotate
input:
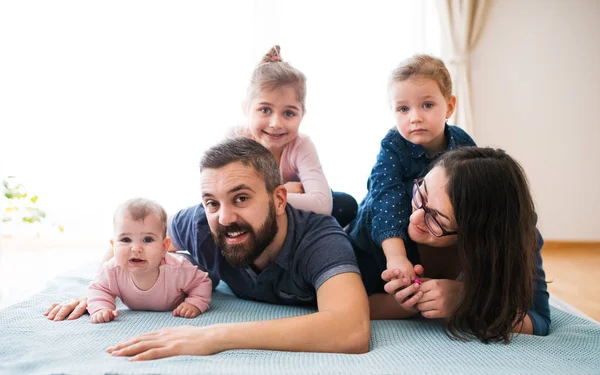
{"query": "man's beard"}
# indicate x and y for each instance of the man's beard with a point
(244, 254)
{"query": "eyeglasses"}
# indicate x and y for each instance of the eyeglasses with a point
(419, 202)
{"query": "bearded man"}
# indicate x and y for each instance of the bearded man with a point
(245, 234)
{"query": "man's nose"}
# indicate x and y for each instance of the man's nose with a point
(227, 215)
(136, 247)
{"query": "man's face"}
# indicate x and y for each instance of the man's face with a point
(240, 212)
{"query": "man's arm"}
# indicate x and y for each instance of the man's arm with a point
(340, 326)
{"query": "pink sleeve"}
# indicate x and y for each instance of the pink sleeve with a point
(303, 158)
(197, 285)
(100, 294)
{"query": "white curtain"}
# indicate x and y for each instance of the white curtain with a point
(462, 21)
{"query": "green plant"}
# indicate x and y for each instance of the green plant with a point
(20, 205)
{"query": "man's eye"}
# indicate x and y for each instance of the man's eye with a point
(148, 239)
(265, 110)
(126, 239)
(428, 105)
(402, 109)
(241, 199)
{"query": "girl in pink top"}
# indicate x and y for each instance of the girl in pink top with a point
(143, 274)
(274, 108)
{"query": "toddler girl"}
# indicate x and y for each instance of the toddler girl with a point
(420, 91)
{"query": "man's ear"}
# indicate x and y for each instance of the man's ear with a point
(112, 244)
(451, 106)
(280, 194)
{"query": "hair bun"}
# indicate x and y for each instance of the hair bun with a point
(273, 55)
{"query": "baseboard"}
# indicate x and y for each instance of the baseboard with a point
(571, 245)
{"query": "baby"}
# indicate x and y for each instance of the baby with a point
(143, 274)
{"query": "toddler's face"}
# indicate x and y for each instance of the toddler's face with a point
(138, 245)
(421, 111)
(274, 117)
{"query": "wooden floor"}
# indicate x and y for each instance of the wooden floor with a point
(574, 272)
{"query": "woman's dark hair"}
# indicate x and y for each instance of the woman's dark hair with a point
(496, 241)
(247, 152)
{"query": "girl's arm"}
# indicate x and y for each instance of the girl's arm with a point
(302, 157)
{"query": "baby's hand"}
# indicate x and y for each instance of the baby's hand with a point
(104, 316)
(294, 187)
(399, 268)
(186, 310)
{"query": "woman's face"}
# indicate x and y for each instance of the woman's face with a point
(435, 198)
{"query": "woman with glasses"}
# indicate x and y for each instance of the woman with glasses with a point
(476, 250)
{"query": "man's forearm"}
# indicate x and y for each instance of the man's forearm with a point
(318, 332)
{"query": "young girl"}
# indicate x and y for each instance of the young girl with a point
(142, 273)
(420, 91)
(274, 108)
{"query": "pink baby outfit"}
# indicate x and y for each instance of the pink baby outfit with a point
(177, 279)
(300, 163)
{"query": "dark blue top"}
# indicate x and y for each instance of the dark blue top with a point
(385, 211)
(315, 249)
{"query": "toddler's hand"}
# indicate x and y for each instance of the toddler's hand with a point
(294, 187)
(399, 268)
(104, 316)
(186, 310)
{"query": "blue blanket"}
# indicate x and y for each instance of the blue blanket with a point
(30, 344)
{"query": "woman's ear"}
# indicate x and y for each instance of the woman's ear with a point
(280, 199)
(451, 106)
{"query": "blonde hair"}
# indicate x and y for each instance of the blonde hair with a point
(140, 208)
(272, 73)
(424, 66)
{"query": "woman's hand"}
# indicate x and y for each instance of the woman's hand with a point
(439, 297)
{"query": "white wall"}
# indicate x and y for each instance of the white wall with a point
(536, 91)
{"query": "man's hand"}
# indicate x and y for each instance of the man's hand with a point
(70, 310)
(168, 342)
(104, 316)
(294, 187)
(186, 310)
(440, 298)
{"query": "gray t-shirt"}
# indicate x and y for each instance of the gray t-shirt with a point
(315, 249)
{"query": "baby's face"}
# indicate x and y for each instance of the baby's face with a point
(138, 246)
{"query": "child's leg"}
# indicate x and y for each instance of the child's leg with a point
(344, 208)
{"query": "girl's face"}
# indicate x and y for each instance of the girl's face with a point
(435, 198)
(138, 245)
(274, 117)
(421, 111)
